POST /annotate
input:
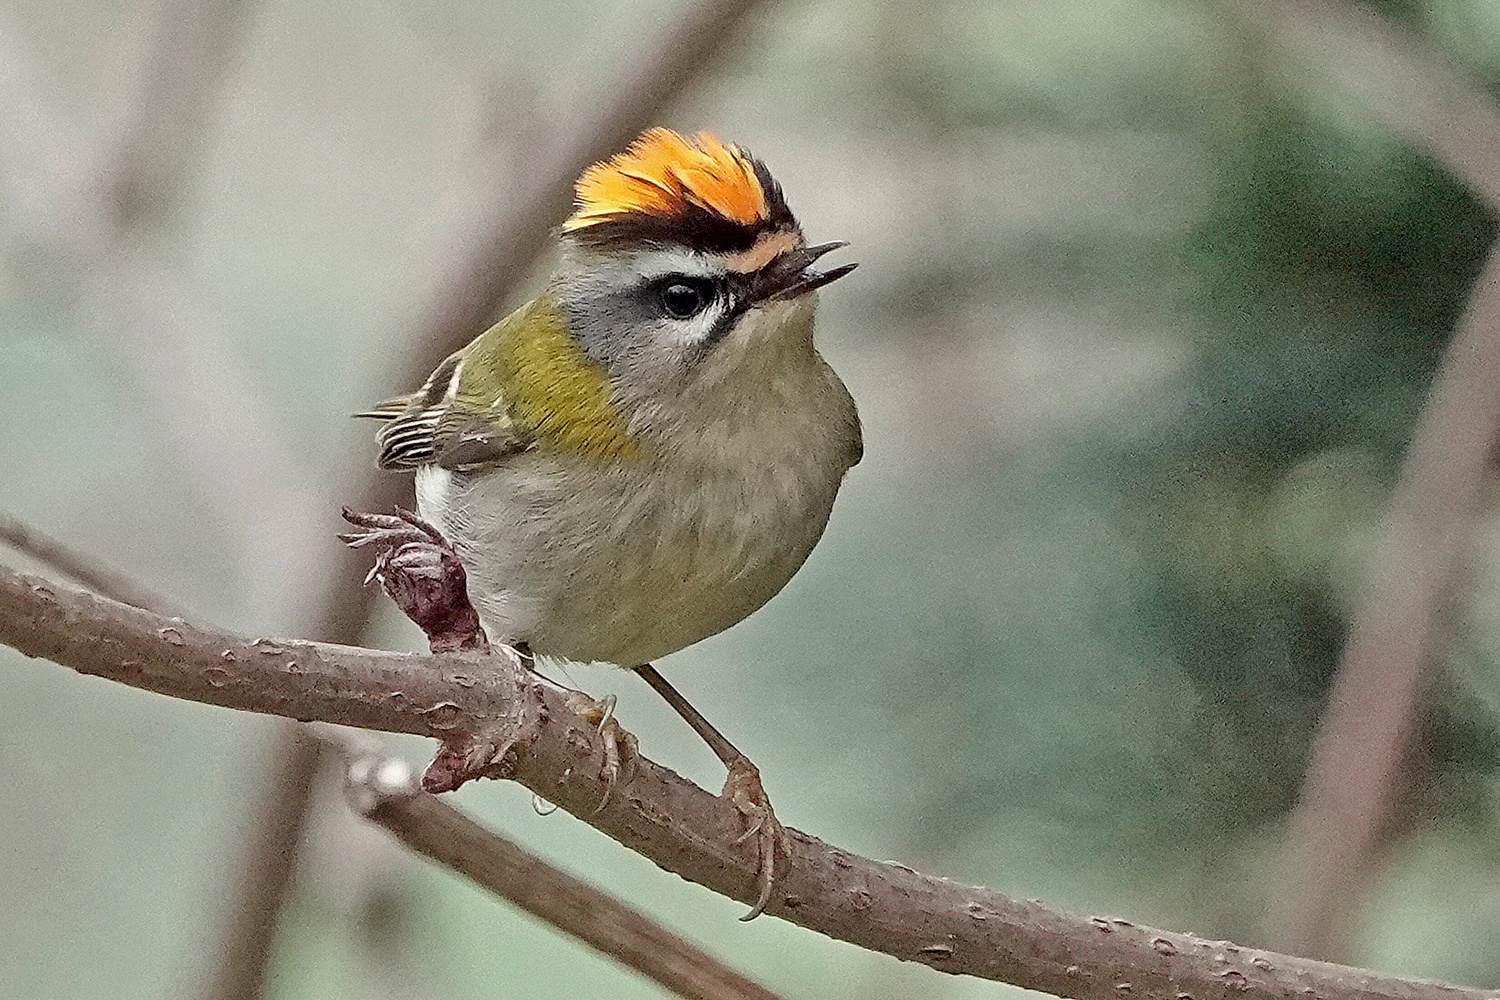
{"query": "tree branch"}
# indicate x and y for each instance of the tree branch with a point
(881, 906)
(385, 791)
(422, 823)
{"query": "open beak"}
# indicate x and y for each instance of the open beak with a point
(788, 276)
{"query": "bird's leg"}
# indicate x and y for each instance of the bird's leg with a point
(420, 571)
(742, 787)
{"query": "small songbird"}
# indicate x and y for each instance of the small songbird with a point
(643, 454)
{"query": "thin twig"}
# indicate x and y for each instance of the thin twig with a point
(386, 792)
(880, 906)
(80, 566)
(1354, 779)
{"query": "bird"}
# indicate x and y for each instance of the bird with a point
(646, 452)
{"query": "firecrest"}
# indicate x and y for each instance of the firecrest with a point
(645, 453)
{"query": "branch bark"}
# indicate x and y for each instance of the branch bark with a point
(881, 906)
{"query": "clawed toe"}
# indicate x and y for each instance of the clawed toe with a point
(744, 791)
(617, 746)
(420, 571)
(390, 530)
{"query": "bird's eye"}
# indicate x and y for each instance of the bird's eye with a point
(684, 298)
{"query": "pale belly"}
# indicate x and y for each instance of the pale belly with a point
(629, 565)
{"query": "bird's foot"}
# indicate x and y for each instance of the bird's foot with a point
(418, 568)
(493, 751)
(617, 746)
(743, 790)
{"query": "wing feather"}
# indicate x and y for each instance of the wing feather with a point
(438, 424)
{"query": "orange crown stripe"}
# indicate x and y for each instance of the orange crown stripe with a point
(663, 173)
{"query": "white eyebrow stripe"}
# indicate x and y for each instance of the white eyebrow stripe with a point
(660, 263)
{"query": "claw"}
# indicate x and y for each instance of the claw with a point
(616, 745)
(607, 709)
(744, 791)
(404, 523)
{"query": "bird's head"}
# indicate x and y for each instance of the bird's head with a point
(680, 251)
(684, 298)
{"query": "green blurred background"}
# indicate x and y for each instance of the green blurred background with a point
(1144, 317)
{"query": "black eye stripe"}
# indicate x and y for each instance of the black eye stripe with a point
(731, 295)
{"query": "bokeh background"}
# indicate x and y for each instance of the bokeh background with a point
(1148, 306)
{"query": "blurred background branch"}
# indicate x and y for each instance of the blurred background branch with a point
(79, 566)
(1398, 77)
(1362, 755)
(205, 399)
(172, 115)
(1361, 758)
(386, 792)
